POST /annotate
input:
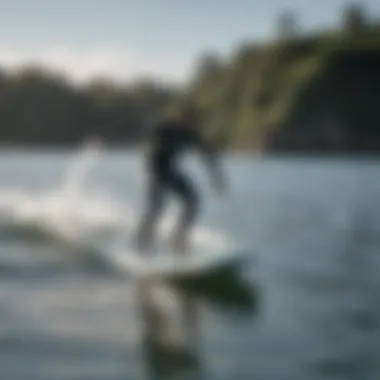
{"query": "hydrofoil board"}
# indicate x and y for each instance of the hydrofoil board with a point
(166, 263)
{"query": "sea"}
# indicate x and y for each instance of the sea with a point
(304, 306)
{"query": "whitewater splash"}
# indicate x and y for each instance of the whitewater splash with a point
(75, 214)
(73, 184)
(70, 210)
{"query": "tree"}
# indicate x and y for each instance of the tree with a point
(287, 25)
(38, 106)
(354, 19)
(208, 65)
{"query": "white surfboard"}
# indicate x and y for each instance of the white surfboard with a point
(166, 263)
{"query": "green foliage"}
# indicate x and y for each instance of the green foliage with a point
(265, 88)
(278, 95)
(42, 108)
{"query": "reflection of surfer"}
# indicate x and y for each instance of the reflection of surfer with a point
(169, 140)
(165, 355)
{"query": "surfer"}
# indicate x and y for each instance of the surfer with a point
(169, 139)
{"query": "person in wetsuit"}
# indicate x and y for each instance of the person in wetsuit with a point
(169, 140)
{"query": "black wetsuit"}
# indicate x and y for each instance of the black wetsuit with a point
(168, 142)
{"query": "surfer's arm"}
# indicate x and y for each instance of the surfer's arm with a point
(212, 160)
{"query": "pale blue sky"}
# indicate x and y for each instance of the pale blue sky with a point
(125, 38)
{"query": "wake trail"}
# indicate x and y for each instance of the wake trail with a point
(69, 214)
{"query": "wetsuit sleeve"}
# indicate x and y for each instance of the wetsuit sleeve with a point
(211, 157)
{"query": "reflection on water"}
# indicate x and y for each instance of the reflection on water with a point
(164, 356)
(308, 307)
(227, 290)
(166, 352)
(169, 353)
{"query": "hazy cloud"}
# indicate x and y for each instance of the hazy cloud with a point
(81, 65)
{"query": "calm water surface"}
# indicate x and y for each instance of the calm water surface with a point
(311, 308)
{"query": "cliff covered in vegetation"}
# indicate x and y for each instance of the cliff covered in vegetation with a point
(301, 94)
(316, 92)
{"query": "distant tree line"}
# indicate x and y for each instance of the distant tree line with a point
(38, 107)
(266, 96)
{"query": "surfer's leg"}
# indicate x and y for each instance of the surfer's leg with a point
(184, 189)
(155, 201)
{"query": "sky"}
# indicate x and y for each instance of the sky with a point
(126, 39)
